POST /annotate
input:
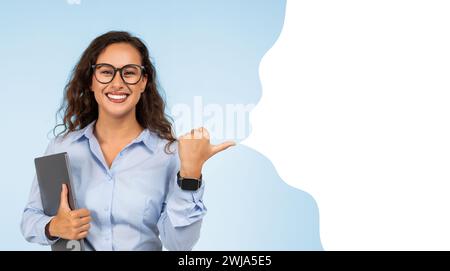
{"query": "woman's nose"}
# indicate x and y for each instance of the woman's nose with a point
(117, 81)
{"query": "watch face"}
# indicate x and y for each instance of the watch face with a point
(189, 184)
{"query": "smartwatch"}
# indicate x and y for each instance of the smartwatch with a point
(189, 183)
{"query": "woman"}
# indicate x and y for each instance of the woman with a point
(126, 164)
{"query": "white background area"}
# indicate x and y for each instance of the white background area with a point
(355, 110)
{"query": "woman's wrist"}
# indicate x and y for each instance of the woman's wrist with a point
(190, 171)
(48, 231)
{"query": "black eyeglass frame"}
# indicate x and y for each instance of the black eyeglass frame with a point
(94, 66)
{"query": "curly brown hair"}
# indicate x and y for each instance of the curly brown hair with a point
(79, 107)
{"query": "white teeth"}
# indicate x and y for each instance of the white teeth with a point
(116, 97)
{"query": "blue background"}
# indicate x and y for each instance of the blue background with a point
(200, 48)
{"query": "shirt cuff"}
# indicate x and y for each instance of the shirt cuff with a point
(194, 196)
(42, 223)
(186, 207)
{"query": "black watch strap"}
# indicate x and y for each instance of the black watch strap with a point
(189, 183)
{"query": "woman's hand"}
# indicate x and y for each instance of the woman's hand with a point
(194, 149)
(68, 224)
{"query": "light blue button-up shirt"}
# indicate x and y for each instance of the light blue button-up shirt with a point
(135, 205)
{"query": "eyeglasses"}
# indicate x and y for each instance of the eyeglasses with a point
(130, 74)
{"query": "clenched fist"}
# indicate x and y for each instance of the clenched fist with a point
(68, 224)
(194, 149)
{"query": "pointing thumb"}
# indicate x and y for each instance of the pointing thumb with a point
(222, 146)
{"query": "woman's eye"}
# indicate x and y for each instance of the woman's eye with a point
(129, 73)
(106, 72)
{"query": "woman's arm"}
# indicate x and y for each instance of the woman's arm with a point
(181, 219)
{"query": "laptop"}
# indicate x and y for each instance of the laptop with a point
(52, 171)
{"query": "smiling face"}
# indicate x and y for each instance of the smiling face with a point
(118, 99)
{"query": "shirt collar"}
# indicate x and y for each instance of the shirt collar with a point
(149, 139)
(87, 132)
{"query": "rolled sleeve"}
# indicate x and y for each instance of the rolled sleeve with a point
(185, 207)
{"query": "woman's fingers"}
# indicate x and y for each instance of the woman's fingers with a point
(80, 213)
(85, 227)
(78, 222)
(197, 133)
(85, 220)
(82, 235)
